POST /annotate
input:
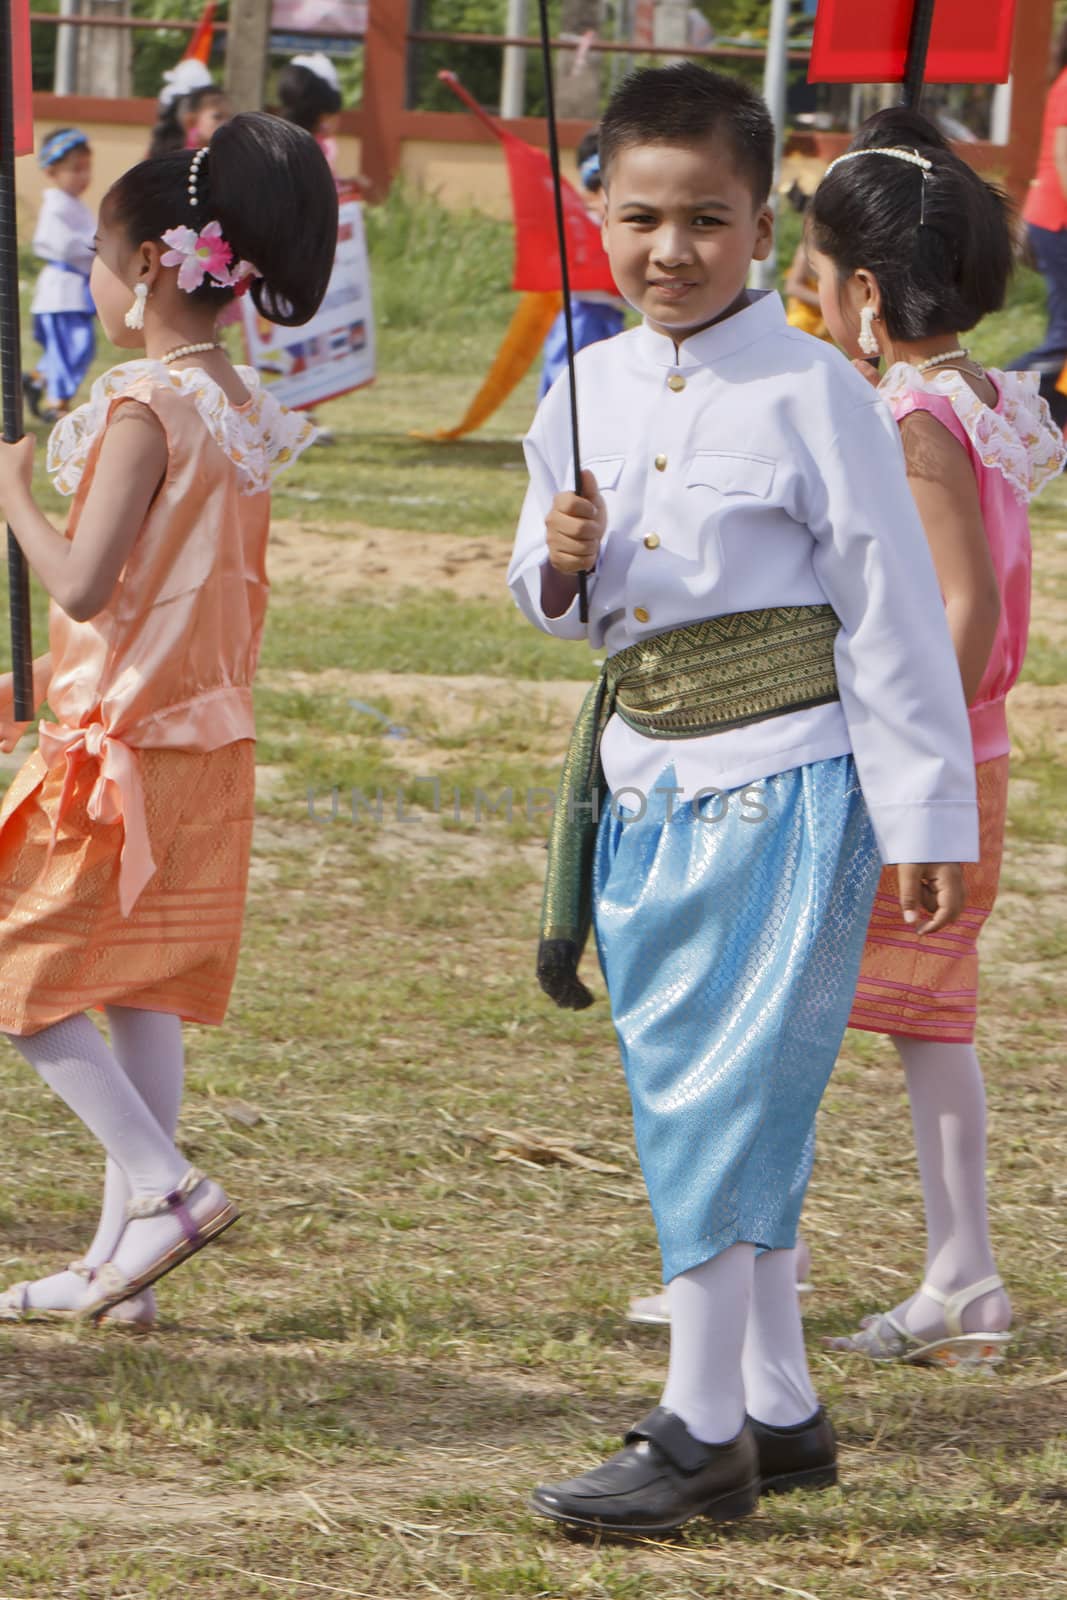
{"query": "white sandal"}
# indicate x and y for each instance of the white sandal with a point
(882, 1338)
(138, 1313)
(652, 1310)
(111, 1287)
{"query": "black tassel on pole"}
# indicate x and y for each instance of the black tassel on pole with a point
(11, 369)
(565, 282)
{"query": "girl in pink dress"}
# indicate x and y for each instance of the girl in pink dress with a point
(911, 249)
(124, 839)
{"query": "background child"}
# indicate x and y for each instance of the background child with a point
(761, 587)
(181, 84)
(124, 839)
(595, 315)
(910, 253)
(64, 321)
(309, 94)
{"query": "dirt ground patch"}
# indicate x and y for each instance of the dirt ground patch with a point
(353, 558)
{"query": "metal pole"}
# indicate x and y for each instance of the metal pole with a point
(18, 573)
(775, 84)
(513, 79)
(564, 271)
(66, 73)
(918, 46)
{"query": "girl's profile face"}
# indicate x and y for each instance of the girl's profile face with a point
(839, 302)
(114, 273)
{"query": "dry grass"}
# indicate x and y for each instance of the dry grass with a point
(418, 1318)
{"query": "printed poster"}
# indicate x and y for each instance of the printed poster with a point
(333, 353)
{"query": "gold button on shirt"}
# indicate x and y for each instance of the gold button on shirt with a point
(640, 613)
(651, 541)
(676, 382)
(660, 463)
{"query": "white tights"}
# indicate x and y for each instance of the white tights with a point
(737, 1344)
(948, 1115)
(128, 1096)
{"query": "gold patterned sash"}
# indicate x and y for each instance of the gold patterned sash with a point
(703, 678)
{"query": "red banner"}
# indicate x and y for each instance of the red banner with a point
(537, 265)
(866, 41)
(22, 77)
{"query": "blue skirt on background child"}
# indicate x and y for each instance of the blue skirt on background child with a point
(68, 339)
(731, 949)
(592, 320)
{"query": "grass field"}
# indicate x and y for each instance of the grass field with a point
(421, 1313)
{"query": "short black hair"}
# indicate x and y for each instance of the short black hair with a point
(304, 97)
(269, 185)
(168, 134)
(940, 245)
(683, 104)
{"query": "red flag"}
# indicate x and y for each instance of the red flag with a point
(21, 77)
(969, 43)
(203, 39)
(537, 268)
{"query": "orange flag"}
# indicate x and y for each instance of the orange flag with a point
(202, 40)
(521, 345)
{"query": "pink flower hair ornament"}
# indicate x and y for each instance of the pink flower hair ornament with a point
(205, 255)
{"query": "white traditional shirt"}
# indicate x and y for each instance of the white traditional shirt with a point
(751, 467)
(63, 239)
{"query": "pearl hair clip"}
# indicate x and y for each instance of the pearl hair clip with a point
(194, 175)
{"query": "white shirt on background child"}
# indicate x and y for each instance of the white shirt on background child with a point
(63, 238)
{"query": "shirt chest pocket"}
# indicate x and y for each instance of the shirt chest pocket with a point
(718, 483)
(725, 475)
(607, 470)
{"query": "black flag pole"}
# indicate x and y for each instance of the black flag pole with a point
(922, 20)
(564, 271)
(11, 368)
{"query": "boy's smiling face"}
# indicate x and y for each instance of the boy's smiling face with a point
(682, 229)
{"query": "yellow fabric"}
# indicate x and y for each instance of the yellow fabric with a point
(534, 315)
(798, 315)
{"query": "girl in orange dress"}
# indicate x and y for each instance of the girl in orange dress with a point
(124, 839)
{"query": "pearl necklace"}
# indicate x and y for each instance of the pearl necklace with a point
(189, 350)
(937, 361)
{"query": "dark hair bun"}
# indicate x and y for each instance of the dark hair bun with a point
(270, 186)
(939, 242)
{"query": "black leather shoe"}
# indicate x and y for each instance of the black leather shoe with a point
(801, 1457)
(660, 1479)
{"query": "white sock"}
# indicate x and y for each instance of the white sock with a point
(948, 1115)
(709, 1308)
(778, 1388)
(75, 1061)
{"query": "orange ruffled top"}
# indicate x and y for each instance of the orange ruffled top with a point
(169, 662)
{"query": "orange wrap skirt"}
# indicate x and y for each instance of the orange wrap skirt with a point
(64, 943)
(927, 988)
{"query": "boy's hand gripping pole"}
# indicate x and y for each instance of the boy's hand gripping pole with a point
(565, 284)
(11, 367)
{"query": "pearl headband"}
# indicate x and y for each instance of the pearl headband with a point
(911, 156)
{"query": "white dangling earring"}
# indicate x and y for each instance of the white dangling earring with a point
(135, 315)
(868, 340)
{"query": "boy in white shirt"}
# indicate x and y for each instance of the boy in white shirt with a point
(780, 708)
(64, 319)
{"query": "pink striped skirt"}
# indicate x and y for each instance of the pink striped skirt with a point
(928, 988)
